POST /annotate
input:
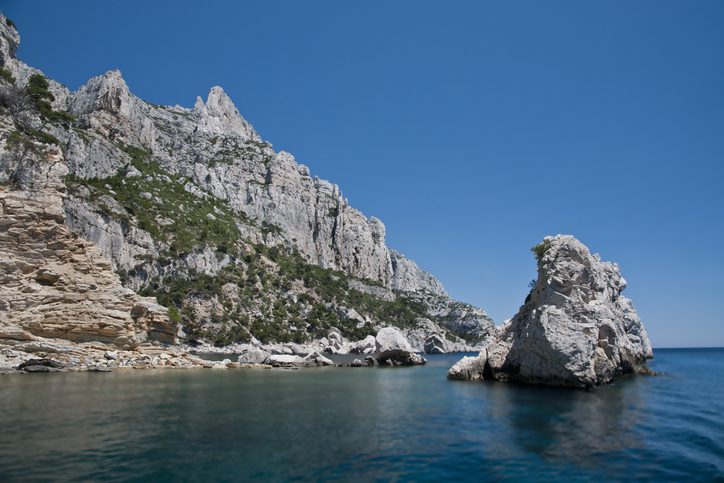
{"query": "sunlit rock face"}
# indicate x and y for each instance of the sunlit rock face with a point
(575, 328)
(171, 194)
(56, 285)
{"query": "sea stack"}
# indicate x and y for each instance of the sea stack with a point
(575, 328)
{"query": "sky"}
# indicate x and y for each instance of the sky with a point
(471, 128)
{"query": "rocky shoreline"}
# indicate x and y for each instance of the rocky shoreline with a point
(389, 348)
(134, 235)
(129, 226)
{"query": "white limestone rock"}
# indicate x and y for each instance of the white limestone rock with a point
(435, 344)
(315, 359)
(393, 349)
(469, 368)
(575, 328)
(219, 116)
(215, 154)
(364, 346)
(409, 277)
(284, 360)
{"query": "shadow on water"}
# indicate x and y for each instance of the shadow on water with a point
(567, 424)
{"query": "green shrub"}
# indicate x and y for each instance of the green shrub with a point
(173, 314)
(39, 94)
(190, 225)
(540, 249)
(43, 136)
(25, 138)
(7, 76)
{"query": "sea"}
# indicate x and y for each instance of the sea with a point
(362, 424)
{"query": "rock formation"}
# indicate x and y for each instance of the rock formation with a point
(575, 328)
(393, 349)
(60, 296)
(236, 241)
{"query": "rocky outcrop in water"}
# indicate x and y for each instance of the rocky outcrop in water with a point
(392, 349)
(575, 328)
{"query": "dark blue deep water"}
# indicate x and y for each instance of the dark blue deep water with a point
(362, 424)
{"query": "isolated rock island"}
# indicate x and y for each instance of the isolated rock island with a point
(575, 328)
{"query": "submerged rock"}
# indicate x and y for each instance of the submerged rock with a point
(575, 328)
(393, 349)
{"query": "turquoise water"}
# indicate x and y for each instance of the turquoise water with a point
(361, 424)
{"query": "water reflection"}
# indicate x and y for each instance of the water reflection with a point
(571, 425)
(361, 424)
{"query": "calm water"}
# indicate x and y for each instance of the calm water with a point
(361, 425)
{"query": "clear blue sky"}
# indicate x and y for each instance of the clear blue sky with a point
(471, 128)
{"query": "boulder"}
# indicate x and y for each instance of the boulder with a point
(222, 365)
(46, 276)
(393, 349)
(254, 356)
(356, 363)
(335, 342)
(435, 344)
(364, 346)
(575, 328)
(285, 360)
(44, 362)
(316, 359)
(369, 361)
(468, 369)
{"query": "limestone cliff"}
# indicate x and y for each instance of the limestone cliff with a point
(191, 206)
(59, 294)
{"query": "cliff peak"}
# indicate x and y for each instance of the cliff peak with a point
(108, 92)
(219, 115)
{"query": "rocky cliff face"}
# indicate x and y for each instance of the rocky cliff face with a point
(57, 288)
(217, 151)
(193, 207)
(575, 328)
